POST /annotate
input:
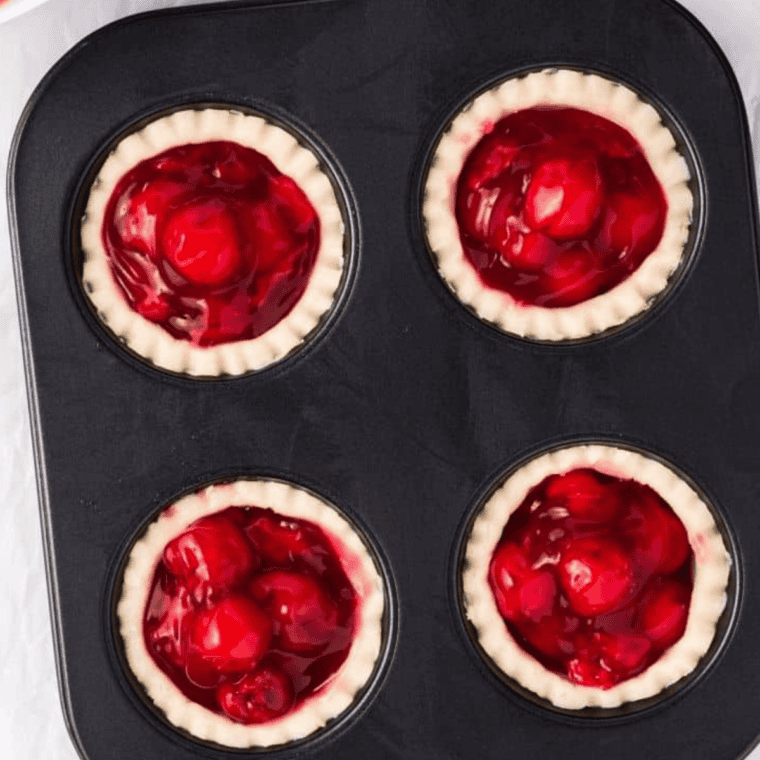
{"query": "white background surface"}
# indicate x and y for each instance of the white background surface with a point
(31, 721)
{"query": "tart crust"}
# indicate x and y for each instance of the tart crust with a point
(293, 159)
(709, 596)
(334, 697)
(569, 88)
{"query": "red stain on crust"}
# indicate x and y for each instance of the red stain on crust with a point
(702, 550)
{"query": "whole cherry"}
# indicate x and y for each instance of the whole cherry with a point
(228, 638)
(303, 615)
(213, 553)
(596, 575)
(262, 695)
(202, 242)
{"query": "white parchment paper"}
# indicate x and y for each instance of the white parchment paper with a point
(31, 719)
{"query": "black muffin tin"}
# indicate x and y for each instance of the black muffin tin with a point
(408, 408)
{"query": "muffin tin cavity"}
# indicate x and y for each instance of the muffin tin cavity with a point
(605, 537)
(214, 240)
(241, 553)
(560, 205)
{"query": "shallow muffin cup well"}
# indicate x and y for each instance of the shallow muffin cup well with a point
(713, 598)
(294, 154)
(668, 152)
(347, 691)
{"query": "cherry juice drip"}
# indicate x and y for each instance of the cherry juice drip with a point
(210, 241)
(557, 205)
(593, 576)
(250, 613)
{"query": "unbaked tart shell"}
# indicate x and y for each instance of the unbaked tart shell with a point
(292, 158)
(712, 568)
(557, 88)
(331, 700)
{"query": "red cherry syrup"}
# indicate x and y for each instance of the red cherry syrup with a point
(250, 613)
(593, 576)
(210, 241)
(557, 205)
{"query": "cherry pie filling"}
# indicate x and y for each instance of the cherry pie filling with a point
(557, 205)
(593, 576)
(250, 613)
(210, 241)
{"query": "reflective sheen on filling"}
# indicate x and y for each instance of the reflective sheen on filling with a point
(211, 242)
(250, 613)
(593, 576)
(557, 205)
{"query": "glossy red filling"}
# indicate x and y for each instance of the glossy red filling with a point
(250, 613)
(557, 205)
(210, 241)
(593, 576)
